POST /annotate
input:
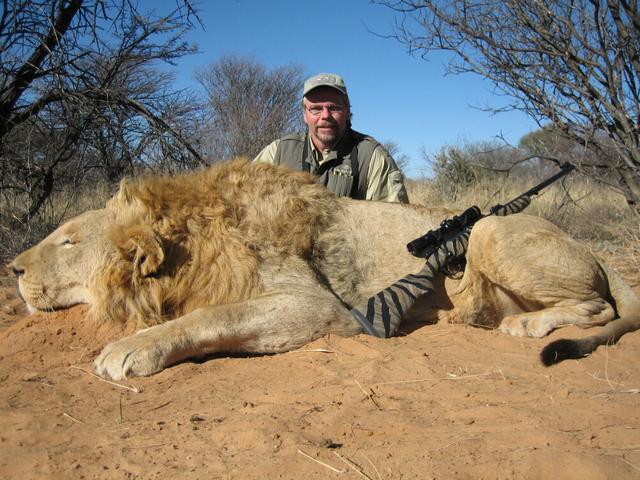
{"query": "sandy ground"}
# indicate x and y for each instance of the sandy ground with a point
(442, 402)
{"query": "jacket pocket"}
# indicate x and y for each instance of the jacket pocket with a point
(340, 184)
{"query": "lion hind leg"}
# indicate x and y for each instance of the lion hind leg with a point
(628, 308)
(539, 323)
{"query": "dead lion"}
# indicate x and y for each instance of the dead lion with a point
(254, 258)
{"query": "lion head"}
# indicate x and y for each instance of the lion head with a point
(166, 245)
(57, 273)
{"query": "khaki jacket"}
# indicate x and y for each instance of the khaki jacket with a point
(384, 180)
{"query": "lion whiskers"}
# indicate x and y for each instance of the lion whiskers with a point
(36, 298)
(44, 302)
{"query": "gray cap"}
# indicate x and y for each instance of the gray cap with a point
(330, 80)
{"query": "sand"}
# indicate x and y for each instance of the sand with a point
(441, 402)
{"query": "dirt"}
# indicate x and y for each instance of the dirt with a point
(441, 402)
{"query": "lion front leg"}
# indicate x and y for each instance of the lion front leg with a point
(269, 324)
(146, 352)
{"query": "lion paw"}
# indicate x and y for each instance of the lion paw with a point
(139, 355)
(525, 326)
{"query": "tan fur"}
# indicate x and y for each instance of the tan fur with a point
(251, 257)
(213, 232)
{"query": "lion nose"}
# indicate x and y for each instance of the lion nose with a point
(17, 271)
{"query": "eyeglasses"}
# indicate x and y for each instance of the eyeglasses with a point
(332, 109)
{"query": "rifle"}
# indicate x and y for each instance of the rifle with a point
(440, 247)
(426, 245)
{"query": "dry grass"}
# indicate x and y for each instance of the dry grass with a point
(16, 236)
(588, 211)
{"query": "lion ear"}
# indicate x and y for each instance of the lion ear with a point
(125, 194)
(128, 195)
(144, 248)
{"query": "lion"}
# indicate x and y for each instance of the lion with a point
(254, 258)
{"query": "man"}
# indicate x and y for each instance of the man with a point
(347, 162)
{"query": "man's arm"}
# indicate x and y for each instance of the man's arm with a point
(384, 180)
(268, 153)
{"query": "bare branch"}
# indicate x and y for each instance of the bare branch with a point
(250, 106)
(82, 99)
(574, 65)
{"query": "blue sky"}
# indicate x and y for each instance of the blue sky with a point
(394, 96)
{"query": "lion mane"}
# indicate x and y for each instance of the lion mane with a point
(197, 238)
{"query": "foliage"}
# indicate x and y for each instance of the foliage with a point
(81, 99)
(249, 106)
(572, 65)
(401, 159)
(459, 167)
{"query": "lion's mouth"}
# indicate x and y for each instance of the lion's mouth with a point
(30, 308)
(37, 298)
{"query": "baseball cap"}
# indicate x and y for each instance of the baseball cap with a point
(325, 80)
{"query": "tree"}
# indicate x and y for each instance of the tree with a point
(573, 65)
(401, 159)
(80, 93)
(458, 167)
(250, 106)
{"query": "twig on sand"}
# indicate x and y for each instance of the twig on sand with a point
(133, 389)
(600, 379)
(121, 419)
(321, 463)
(479, 325)
(453, 376)
(403, 382)
(606, 368)
(450, 376)
(630, 464)
(317, 350)
(39, 380)
(612, 385)
(369, 395)
(143, 447)
(374, 467)
(356, 468)
(634, 391)
(72, 417)
(162, 405)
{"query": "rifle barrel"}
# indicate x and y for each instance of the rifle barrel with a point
(564, 170)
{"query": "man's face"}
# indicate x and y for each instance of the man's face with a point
(326, 114)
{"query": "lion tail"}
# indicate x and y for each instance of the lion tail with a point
(627, 305)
